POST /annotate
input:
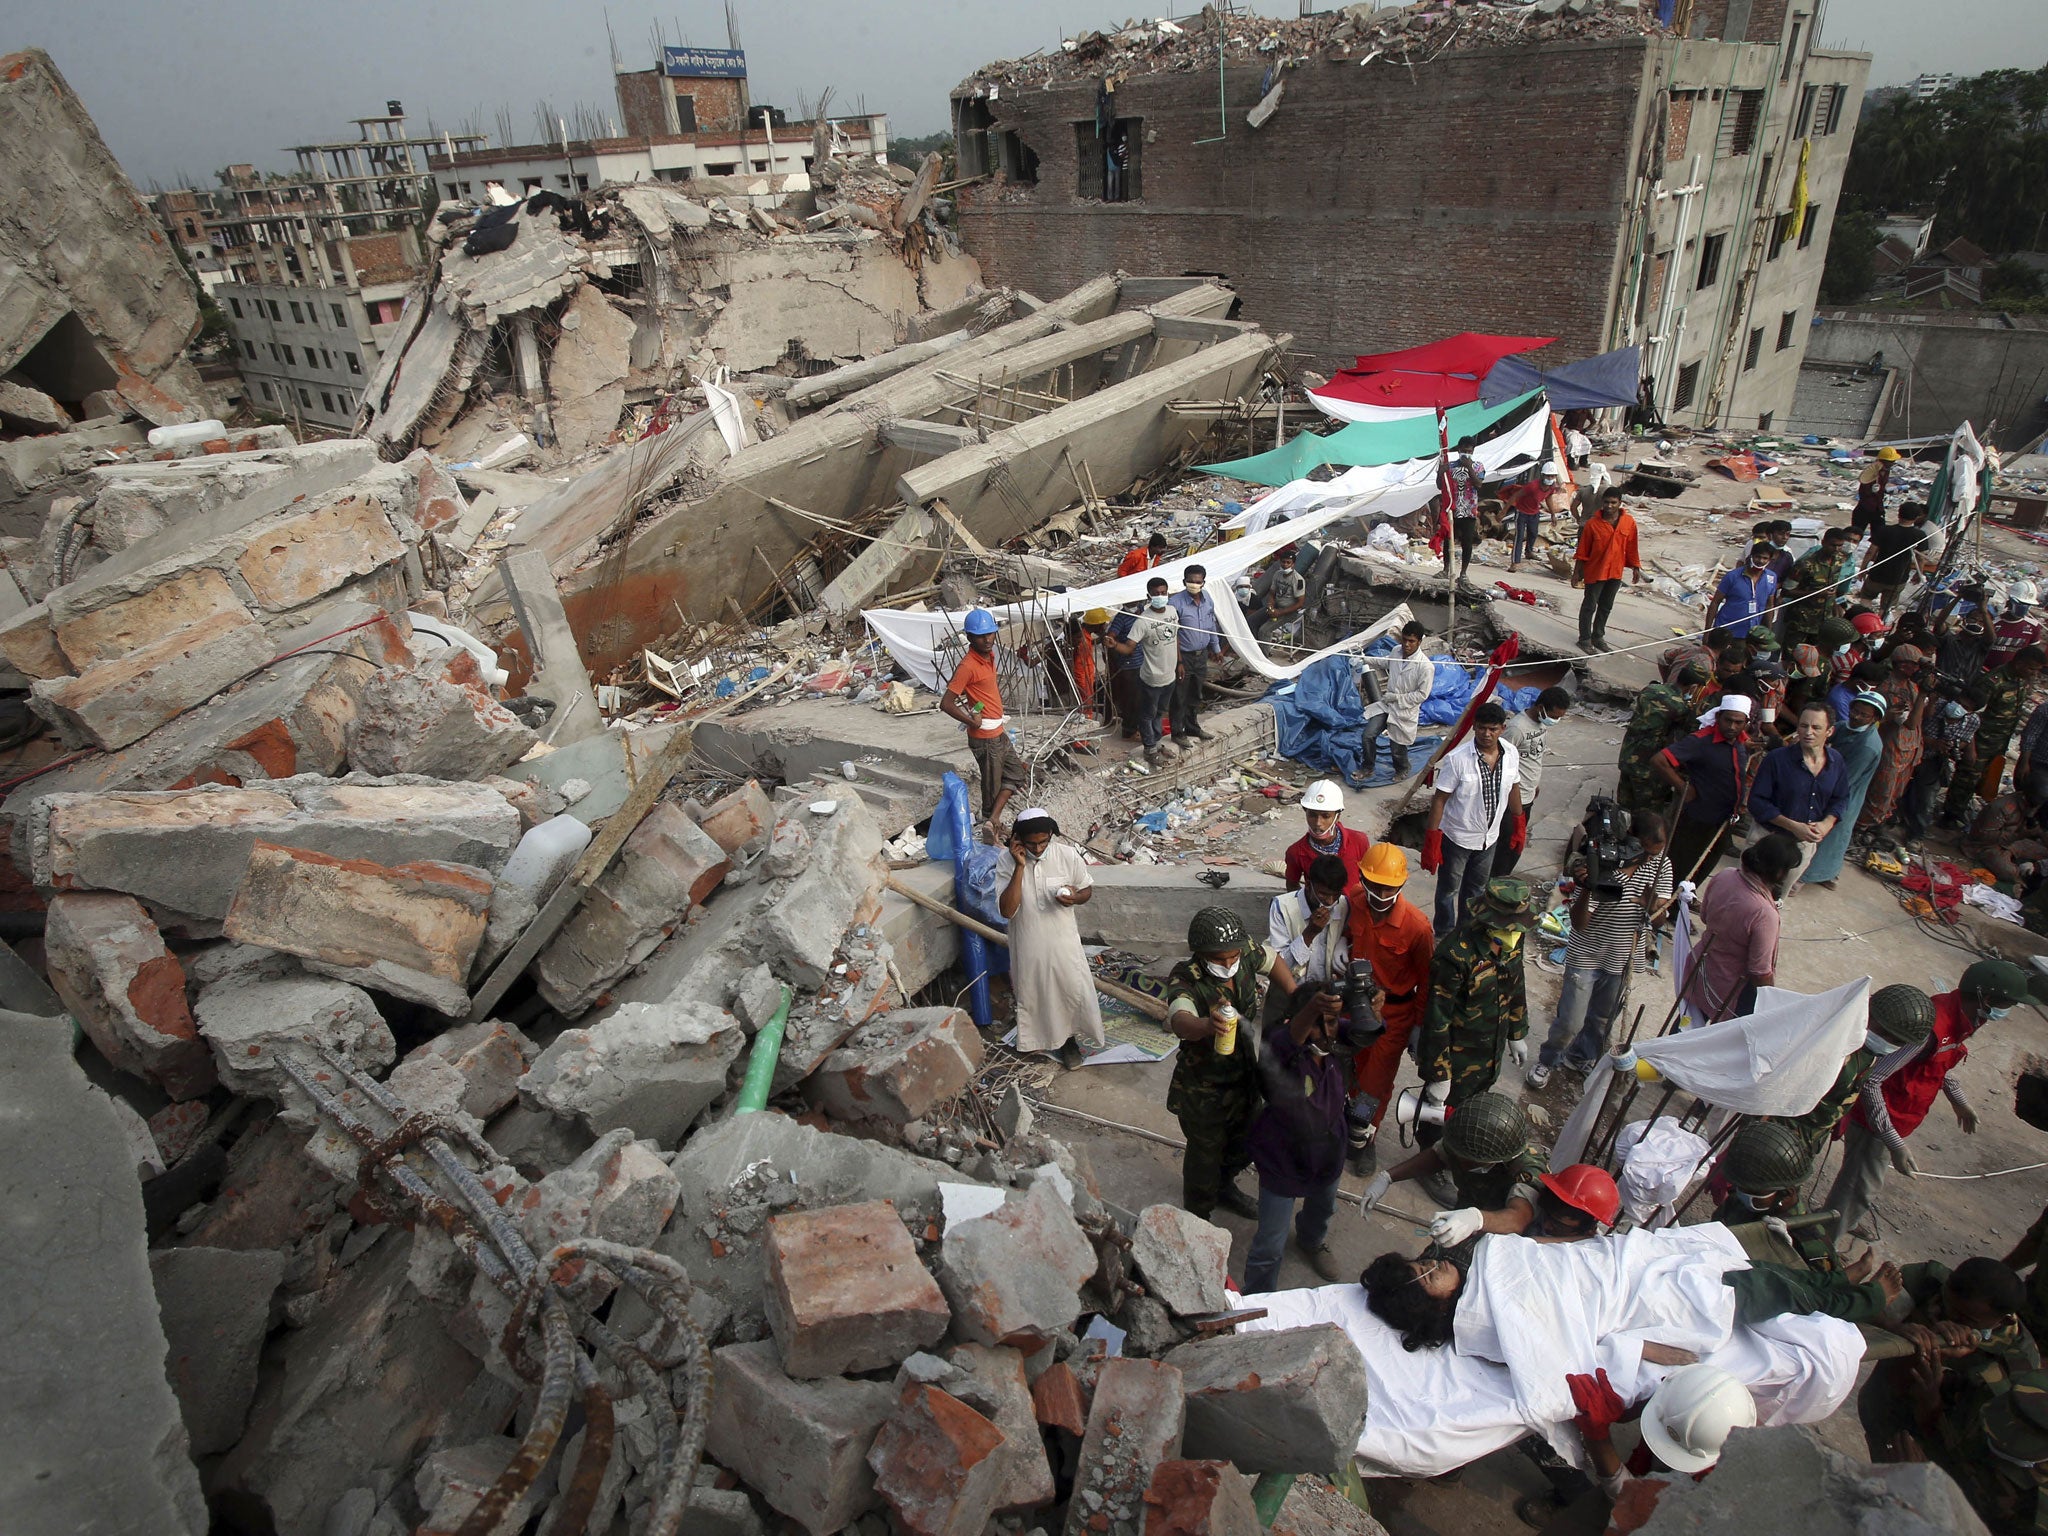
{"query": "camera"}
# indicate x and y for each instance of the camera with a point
(1359, 986)
(1606, 847)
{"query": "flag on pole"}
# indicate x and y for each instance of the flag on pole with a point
(1440, 537)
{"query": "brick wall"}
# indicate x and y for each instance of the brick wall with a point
(640, 104)
(1378, 208)
(721, 104)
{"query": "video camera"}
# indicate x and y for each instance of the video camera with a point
(1606, 847)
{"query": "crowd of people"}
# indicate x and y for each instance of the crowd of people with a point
(1804, 727)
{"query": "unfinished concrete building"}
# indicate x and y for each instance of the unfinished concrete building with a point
(1370, 181)
(93, 301)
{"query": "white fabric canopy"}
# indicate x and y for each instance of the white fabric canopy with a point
(1353, 410)
(1778, 1060)
(916, 640)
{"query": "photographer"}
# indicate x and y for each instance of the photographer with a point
(1623, 888)
(1298, 1143)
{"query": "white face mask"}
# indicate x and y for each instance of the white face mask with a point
(1220, 972)
(1379, 905)
(1159, 601)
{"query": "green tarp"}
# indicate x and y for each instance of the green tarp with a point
(1368, 442)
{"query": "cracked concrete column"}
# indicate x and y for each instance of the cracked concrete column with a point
(526, 369)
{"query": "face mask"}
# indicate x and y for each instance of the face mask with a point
(1861, 729)
(1996, 1013)
(1877, 1045)
(1379, 906)
(1220, 972)
(1159, 601)
(1194, 588)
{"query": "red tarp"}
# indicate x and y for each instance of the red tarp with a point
(1468, 352)
(1420, 391)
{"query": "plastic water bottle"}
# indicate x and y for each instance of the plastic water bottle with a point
(545, 854)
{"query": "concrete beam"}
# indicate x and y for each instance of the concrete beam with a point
(1150, 290)
(1198, 328)
(822, 387)
(558, 674)
(928, 436)
(877, 567)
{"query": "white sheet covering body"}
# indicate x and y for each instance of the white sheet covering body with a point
(1430, 1411)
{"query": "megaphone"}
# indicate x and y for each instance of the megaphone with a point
(1411, 1109)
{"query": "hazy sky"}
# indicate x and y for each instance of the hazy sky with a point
(182, 90)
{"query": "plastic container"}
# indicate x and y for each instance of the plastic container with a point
(186, 434)
(1226, 1038)
(454, 634)
(545, 855)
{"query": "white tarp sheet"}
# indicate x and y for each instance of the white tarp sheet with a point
(927, 644)
(1430, 1411)
(1778, 1060)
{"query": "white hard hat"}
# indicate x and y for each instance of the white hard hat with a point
(2024, 592)
(1323, 795)
(1689, 1418)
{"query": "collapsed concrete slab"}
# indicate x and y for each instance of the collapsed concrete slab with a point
(215, 1305)
(844, 867)
(1134, 1424)
(846, 1291)
(654, 1067)
(1287, 1401)
(248, 1022)
(802, 1445)
(1182, 1259)
(435, 718)
(1014, 1276)
(94, 1433)
(109, 965)
(899, 1067)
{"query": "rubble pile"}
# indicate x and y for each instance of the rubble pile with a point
(1365, 33)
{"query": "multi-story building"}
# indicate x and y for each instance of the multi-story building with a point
(311, 270)
(1610, 182)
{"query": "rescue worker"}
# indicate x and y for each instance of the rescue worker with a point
(1579, 1202)
(1766, 1168)
(1663, 713)
(1307, 926)
(1478, 999)
(1410, 678)
(2003, 1467)
(2029, 1254)
(1322, 807)
(1895, 1100)
(1813, 591)
(2007, 692)
(973, 699)
(1495, 1173)
(1212, 1004)
(1969, 1344)
(1901, 1016)
(1137, 561)
(1389, 930)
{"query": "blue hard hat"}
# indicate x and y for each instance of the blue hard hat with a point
(980, 622)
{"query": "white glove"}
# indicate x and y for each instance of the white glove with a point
(1518, 1054)
(1775, 1225)
(1903, 1161)
(1436, 1093)
(1451, 1228)
(1376, 1191)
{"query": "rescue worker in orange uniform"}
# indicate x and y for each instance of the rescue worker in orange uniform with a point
(1395, 935)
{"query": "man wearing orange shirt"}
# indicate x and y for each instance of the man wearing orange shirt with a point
(1138, 561)
(973, 699)
(1392, 932)
(1607, 547)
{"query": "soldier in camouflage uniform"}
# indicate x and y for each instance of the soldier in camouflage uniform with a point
(1900, 1016)
(1215, 1092)
(1814, 578)
(1486, 1153)
(1766, 1166)
(2003, 1468)
(1478, 1001)
(2010, 688)
(1969, 1345)
(1663, 713)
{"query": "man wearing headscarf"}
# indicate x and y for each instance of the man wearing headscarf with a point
(1040, 880)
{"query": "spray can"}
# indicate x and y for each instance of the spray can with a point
(1226, 1039)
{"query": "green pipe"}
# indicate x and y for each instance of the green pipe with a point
(1269, 1493)
(761, 1063)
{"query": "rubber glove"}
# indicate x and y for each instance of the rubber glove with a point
(1903, 1161)
(1775, 1225)
(1600, 1406)
(1518, 1054)
(1518, 834)
(1451, 1228)
(1376, 1191)
(1432, 850)
(1437, 1092)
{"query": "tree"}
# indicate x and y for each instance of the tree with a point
(1851, 269)
(911, 152)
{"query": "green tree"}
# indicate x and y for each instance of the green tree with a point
(1851, 269)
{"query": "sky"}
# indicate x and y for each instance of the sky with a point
(179, 91)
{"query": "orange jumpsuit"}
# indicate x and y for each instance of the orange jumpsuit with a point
(1399, 946)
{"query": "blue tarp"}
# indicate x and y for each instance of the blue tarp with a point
(1454, 688)
(1319, 717)
(1372, 442)
(1612, 378)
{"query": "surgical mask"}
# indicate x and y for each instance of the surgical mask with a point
(1379, 905)
(1220, 972)
(1194, 588)
(1996, 1013)
(1862, 729)
(1877, 1044)
(1159, 601)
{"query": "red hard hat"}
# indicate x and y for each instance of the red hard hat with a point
(1589, 1189)
(1868, 624)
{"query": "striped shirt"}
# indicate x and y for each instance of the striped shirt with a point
(1607, 941)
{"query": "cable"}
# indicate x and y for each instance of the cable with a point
(1998, 1174)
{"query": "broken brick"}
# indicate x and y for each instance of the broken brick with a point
(936, 1465)
(846, 1291)
(1056, 1399)
(1200, 1498)
(109, 966)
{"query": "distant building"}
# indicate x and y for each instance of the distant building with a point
(311, 270)
(1587, 176)
(1926, 86)
(1911, 230)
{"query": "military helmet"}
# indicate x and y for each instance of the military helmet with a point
(1765, 1157)
(1486, 1128)
(1836, 632)
(1903, 1014)
(1215, 929)
(2016, 1421)
(1997, 982)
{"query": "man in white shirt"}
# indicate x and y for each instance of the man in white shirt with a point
(1526, 733)
(1410, 678)
(1307, 927)
(1476, 792)
(1155, 641)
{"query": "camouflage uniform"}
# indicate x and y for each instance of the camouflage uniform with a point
(1968, 1385)
(1810, 1243)
(1996, 722)
(1490, 1189)
(1813, 572)
(1659, 708)
(1216, 1098)
(1817, 1126)
(1478, 1002)
(2002, 1467)
(2035, 1314)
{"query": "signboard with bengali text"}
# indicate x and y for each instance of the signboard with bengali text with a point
(703, 63)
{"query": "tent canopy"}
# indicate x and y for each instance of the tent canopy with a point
(1395, 389)
(1379, 442)
(1612, 378)
(1468, 352)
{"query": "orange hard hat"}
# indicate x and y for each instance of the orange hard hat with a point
(1384, 864)
(1588, 1189)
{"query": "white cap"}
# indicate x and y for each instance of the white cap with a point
(1036, 813)
(1552, 472)
(1689, 1418)
(1323, 795)
(2023, 592)
(1734, 703)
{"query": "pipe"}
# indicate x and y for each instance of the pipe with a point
(1269, 1493)
(761, 1062)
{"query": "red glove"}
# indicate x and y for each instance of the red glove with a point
(1600, 1406)
(1433, 850)
(1518, 834)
